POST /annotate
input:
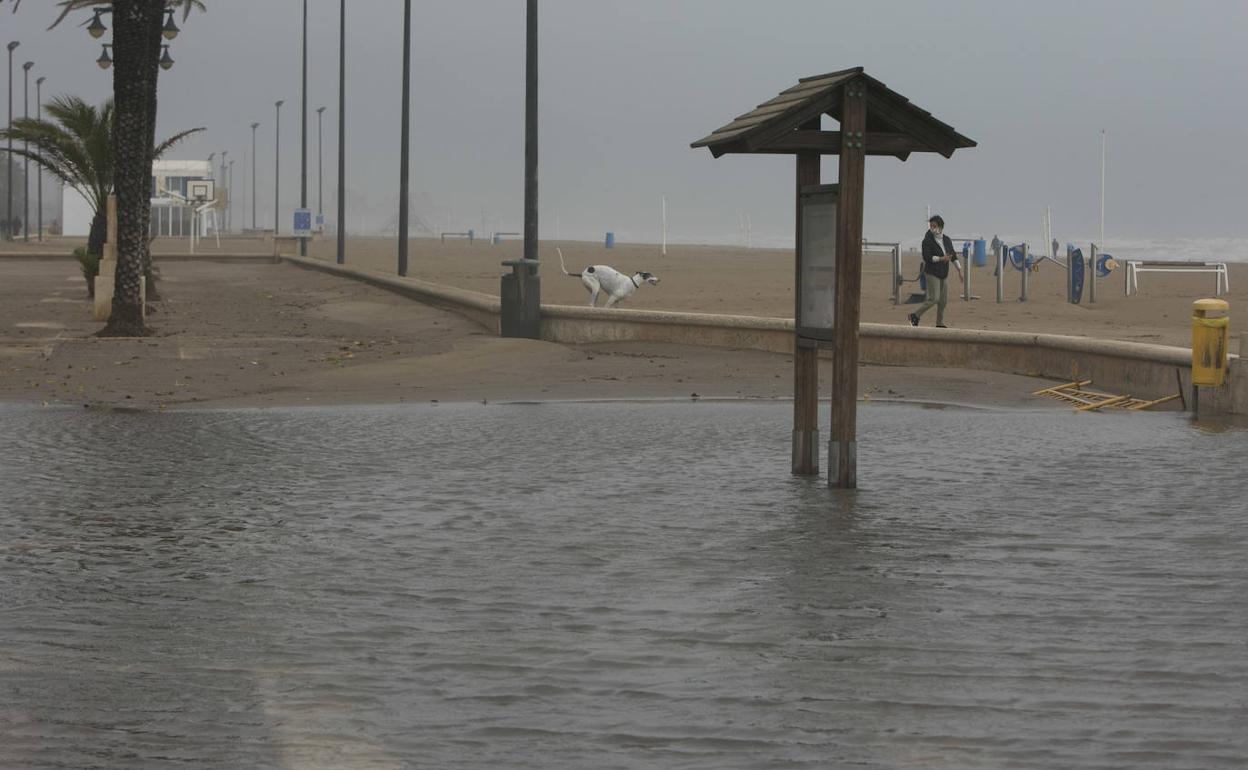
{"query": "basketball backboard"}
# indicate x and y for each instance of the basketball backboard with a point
(201, 190)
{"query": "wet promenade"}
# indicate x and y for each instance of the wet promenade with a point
(619, 586)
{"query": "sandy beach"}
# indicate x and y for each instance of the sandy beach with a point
(256, 334)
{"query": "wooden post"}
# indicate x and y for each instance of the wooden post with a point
(805, 357)
(842, 443)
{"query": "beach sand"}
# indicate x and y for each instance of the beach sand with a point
(255, 334)
(739, 281)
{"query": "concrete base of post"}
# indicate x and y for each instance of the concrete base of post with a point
(104, 289)
(520, 298)
(105, 286)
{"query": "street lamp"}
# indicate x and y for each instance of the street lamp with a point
(403, 133)
(26, 146)
(277, 169)
(342, 131)
(225, 184)
(8, 158)
(97, 29)
(320, 167)
(170, 30)
(229, 211)
(303, 116)
(39, 116)
(254, 126)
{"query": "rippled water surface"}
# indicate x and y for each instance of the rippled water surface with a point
(619, 586)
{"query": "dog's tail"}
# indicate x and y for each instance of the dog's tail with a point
(563, 266)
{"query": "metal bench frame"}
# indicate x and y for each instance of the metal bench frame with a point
(1222, 281)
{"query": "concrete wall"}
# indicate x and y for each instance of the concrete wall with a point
(1130, 368)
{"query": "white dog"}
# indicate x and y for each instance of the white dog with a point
(617, 285)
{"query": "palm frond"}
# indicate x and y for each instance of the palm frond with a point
(76, 144)
(69, 6)
(171, 141)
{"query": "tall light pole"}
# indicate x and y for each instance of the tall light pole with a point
(530, 136)
(229, 212)
(225, 184)
(320, 167)
(277, 170)
(342, 132)
(403, 132)
(39, 116)
(303, 116)
(8, 158)
(26, 146)
(254, 126)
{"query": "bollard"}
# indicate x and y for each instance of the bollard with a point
(1210, 337)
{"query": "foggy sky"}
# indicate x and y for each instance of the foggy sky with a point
(626, 86)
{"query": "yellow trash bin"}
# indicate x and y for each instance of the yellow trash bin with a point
(1210, 336)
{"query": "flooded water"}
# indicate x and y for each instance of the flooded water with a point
(619, 586)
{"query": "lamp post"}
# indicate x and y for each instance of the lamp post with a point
(224, 184)
(320, 167)
(403, 133)
(229, 211)
(26, 146)
(212, 174)
(303, 116)
(39, 116)
(530, 136)
(254, 126)
(342, 131)
(277, 170)
(8, 158)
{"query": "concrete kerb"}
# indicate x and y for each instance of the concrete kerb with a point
(1138, 369)
(481, 308)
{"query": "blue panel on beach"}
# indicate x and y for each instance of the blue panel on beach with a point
(1076, 276)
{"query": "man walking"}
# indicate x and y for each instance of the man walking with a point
(937, 254)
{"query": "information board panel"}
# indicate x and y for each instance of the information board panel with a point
(816, 305)
(303, 224)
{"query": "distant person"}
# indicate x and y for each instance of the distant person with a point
(937, 254)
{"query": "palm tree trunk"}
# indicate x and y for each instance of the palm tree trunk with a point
(136, 55)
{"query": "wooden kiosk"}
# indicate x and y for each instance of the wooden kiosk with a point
(874, 120)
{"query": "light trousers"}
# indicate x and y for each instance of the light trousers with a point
(938, 295)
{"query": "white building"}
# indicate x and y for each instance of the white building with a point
(172, 214)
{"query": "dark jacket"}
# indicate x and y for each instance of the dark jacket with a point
(932, 250)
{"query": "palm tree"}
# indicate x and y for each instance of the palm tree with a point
(137, 28)
(75, 145)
